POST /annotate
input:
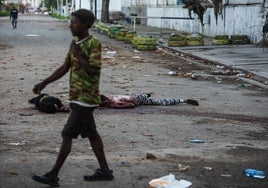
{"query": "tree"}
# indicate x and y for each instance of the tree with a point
(105, 11)
(50, 4)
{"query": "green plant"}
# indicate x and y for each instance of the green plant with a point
(54, 15)
(2, 14)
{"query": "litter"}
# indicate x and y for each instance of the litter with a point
(17, 143)
(193, 77)
(226, 175)
(196, 141)
(125, 164)
(26, 114)
(208, 168)
(169, 181)
(254, 173)
(172, 73)
(181, 168)
(219, 67)
(110, 55)
(150, 156)
(136, 57)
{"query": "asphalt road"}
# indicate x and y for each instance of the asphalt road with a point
(231, 119)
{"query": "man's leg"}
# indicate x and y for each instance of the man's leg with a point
(104, 173)
(97, 146)
(51, 178)
(13, 22)
(64, 152)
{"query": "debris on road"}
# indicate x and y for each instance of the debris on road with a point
(150, 156)
(254, 173)
(169, 181)
(196, 141)
(181, 168)
(110, 55)
(208, 168)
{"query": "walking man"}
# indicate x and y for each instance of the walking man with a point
(14, 17)
(84, 62)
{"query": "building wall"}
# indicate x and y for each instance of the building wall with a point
(237, 17)
(115, 5)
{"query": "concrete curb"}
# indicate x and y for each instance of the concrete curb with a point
(256, 80)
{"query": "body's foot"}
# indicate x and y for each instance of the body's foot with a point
(47, 179)
(192, 102)
(100, 176)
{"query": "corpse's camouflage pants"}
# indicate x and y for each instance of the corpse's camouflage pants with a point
(143, 99)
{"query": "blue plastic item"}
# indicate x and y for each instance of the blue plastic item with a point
(196, 141)
(254, 173)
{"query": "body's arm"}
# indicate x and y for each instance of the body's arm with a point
(55, 76)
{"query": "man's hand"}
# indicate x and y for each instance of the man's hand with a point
(38, 88)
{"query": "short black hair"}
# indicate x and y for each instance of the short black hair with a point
(103, 98)
(85, 16)
(48, 108)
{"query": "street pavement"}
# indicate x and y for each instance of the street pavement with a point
(247, 58)
(231, 119)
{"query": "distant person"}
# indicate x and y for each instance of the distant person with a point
(83, 60)
(48, 104)
(130, 101)
(14, 17)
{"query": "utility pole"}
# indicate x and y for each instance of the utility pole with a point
(91, 5)
(95, 9)
(58, 5)
(61, 6)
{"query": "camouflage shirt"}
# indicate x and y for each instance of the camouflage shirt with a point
(84, 87)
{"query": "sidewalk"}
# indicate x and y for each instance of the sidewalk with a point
(247, 58)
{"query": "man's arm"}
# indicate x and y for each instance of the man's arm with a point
(55, 76)
(83, 61)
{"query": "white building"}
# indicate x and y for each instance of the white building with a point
(34, 4)
(115, 5)
(245, 17)
(236, 16)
